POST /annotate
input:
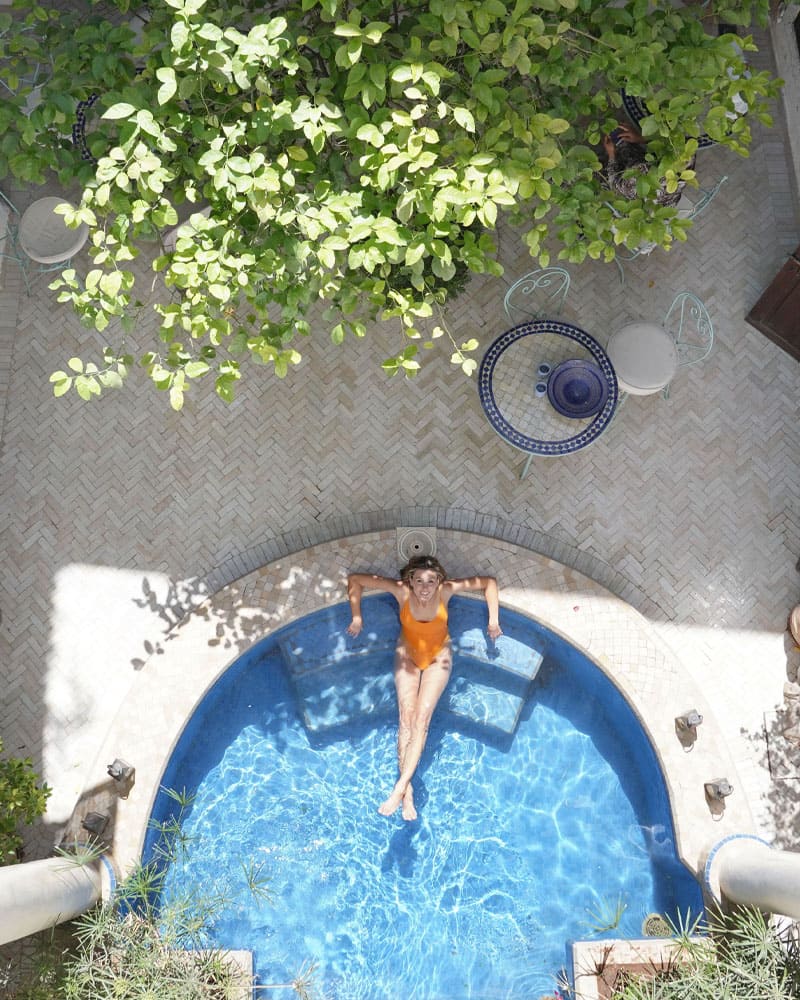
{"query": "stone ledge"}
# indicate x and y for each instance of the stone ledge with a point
(787, 65)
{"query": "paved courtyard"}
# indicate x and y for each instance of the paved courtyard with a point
(119, 515)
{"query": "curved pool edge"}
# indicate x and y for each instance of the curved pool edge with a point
(613, 635)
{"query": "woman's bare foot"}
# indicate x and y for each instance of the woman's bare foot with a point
(409, 810)
(392, 804)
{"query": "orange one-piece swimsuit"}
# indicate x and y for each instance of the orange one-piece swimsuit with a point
(424, 640)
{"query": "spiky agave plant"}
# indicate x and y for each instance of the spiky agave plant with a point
(743, 955)
(141, 946)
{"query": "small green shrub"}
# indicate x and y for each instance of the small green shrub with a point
(22, 800)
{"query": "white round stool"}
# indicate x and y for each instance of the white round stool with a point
(44, 235)
(644, 358)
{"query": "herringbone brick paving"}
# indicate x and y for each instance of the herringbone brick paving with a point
(119, 514)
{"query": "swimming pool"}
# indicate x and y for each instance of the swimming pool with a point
(526, 839)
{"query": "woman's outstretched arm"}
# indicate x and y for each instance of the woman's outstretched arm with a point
(492, 594)
(356, 584)
(488, 584)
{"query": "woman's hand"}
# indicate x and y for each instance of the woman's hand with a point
(355, 626)
(630, 134)
(610, 147)
(494, 630)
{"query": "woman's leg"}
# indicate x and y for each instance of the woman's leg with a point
(416, 710)
(407, 677)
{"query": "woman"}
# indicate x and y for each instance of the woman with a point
(423, 657)
(625, 149)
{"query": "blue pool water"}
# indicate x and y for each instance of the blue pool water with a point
(526, 840)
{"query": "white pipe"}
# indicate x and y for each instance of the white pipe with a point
(750, 872)
(39, 894)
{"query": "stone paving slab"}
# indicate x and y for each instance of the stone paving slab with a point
(118, 516)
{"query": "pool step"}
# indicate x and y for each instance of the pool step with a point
(484, 705)
(505, 653)
(324, 642)
(340, 694)
(339, 679)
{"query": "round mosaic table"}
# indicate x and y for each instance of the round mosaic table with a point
(507, 380)
(636, 109)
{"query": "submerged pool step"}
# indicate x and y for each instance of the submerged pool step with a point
(471, 642)
(339, 679)
(337, 695)
(484, 705)
(324, 641)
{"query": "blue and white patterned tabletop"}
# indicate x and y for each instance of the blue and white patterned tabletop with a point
(507, 380)
(636, 109)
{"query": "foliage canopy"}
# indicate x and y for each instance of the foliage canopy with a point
(354, 157)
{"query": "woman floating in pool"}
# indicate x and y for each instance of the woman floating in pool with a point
(423, 658)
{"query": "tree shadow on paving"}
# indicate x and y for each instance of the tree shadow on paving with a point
(778, 747)
(235, 619)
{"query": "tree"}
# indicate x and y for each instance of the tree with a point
(354, 157)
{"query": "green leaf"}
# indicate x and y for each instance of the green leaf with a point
(166, 74)
(121, 110)
(196, 369)
(336, 243)
(415, 253)
(371, 134)
(224, 389)
(110, 380)
(326, 257)
(86, 387)
(401, 74)
(464, 119)
(211, 32)
(347, 30)
(75, 364)
(166, 92)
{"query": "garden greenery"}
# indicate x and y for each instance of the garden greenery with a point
(744, 957)
(139, 946)
(23, 799)
(330, 162)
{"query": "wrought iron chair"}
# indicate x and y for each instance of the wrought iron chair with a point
(695, 200)
(690, 326)
(626, 254)
(547, 286)
(9, 216)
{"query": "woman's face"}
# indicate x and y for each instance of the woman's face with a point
(424, 584)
